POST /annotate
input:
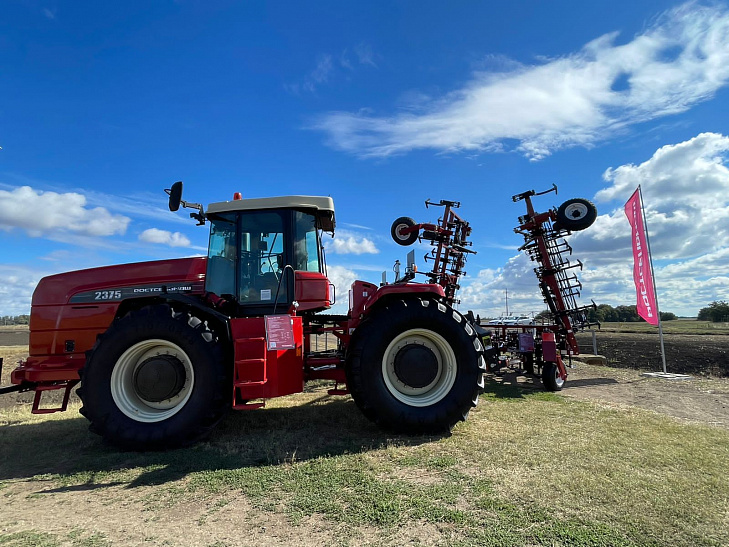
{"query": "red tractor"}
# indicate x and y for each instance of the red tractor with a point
(164, 349)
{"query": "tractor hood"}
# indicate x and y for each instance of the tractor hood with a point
(122, 281)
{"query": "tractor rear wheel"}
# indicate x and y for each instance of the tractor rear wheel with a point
(155, 379)
(415, 366)
(551, 378)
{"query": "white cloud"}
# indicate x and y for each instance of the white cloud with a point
(321, 73)
(576, 100)
(365, 54)
(355, 226)
(486, 294)
(41, 213)
(686, 193)
(326, 69)
(350, 243)
(685, 190)
(16, 289)
(342, 278)
(318, 76)
(164, 237)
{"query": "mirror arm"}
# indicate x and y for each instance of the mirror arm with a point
(199, 216)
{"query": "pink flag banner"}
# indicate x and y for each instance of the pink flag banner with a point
(642, 275)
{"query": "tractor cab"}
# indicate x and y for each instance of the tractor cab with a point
(265, 255)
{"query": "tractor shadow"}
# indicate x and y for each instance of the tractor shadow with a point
(65, 451)
(590, 382)
(510, 383)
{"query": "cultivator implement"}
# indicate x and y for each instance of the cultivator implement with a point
(449, 238)
(544, 243)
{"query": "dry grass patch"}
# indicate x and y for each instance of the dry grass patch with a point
(11, 355)
(527, 468)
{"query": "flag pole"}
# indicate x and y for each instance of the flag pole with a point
(653, 278)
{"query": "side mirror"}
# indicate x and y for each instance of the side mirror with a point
(176, 200)
(175, 194)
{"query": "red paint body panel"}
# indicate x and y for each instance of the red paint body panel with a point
(260, 373)
(365, 295)
(311, 291)
(58, 289)
(549, 347)
(54, 320)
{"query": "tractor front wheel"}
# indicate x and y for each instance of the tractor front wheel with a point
(156, 379)
(416, 366)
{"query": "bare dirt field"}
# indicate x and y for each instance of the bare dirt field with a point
(698, 399)
(14, 336)
(696, 354)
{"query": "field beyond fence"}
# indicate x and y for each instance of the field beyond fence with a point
(678, 326)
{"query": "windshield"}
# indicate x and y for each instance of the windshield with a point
(262, 258)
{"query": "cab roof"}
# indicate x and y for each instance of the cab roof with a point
(320, 206)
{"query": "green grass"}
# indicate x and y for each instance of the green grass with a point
(33, 538)
(528, 467)
(28, 539)
(678, 326)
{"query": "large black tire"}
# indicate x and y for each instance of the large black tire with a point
(575, 215)
(156, 379)
(415, 366)
(550, 377)
(403, 223)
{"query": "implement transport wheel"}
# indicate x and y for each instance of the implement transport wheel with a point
(550, 377)
(415, 366)
(155, 380)
(403, 223)
(575, 215)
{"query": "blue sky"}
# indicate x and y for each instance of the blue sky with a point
(380, 105)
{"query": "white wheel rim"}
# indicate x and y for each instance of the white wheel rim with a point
(126, 397)
(559, 382)
(445, 376)
(576, 211)
(403, 226)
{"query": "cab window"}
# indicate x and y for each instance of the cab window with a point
(306, 245)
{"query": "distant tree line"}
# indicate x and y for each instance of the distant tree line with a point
(716, 312)
(605, 313)
(15, 320)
